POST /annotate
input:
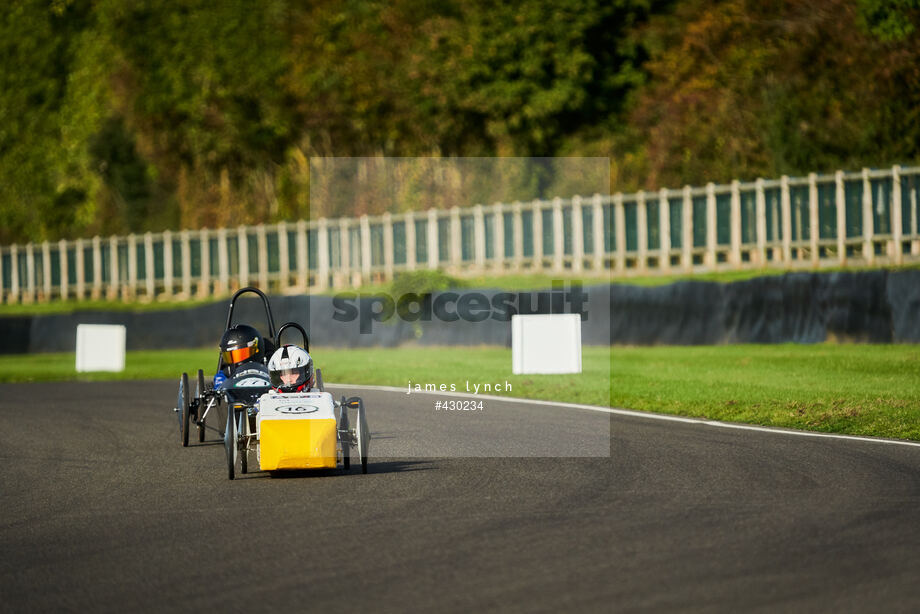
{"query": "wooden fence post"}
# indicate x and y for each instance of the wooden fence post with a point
(262, 252)
(897, 223)
(687, 225)
(223, 261)
(479, 238)
(303, 261)
(642, 231)
(168, 263)
(149, 270)
(455, 248)
(786, 206)
(518, 234)
(65, 266)
(410, 241)
(578, 236)
(760, 203)
(284, 261)
(619, 220)
(242, 252)
(711, 226)
(204, 242)
(433, 249)
(558, 238)
(597, 224)
(322, 253)
(46, 272)
(388, 255)
(185, 247)
(915, 244)
(841, 207)
(81, 270)
(30, 273)
(537, 233)
(498, 238)
(14, 274)
(814, 227)
(868, 221)
(734, 221)
(345, 244)
(132, 266)
(97, 267)
(114, 272)
(664, 230)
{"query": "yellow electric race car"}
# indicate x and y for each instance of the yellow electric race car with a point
(299, 430)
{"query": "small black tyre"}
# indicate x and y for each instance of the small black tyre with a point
(201, 406)
(230, 442)
(244, 452)
(363, 435)
(343, 427)
(184, 409)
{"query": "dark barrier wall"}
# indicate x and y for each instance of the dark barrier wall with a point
(875, 306)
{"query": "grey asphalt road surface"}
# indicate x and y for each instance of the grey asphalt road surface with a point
(101, 509)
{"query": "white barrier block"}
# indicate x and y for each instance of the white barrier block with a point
(546, 343)
(100, 347)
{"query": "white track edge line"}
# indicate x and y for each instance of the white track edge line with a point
(645, 415)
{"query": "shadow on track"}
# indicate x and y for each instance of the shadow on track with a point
(372, 468)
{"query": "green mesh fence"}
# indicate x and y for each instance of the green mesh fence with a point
(443, 239)
(653, 224)
(399, 243)
(312, 250)
(421, 241)
(467, 251)
(527, 225)
(6, 261)
(335, 247)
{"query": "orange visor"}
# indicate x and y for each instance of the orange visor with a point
(231, 357)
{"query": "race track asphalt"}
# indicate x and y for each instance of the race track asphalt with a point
(103, 510)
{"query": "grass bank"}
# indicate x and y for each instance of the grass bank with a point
(855, 389)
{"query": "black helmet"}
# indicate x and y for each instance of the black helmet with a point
(242, 343)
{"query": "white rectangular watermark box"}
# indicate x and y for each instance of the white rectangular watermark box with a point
(100, 347)
(546, 343)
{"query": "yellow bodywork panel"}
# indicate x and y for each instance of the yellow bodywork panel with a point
(297, 444)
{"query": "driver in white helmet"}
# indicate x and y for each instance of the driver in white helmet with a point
(291, 369)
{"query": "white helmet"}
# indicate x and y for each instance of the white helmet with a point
(291, 369)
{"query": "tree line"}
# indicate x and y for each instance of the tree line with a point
(121, 117)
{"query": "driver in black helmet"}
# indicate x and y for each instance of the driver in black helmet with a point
(241, 346)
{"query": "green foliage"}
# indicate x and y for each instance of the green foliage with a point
(36, 44)
(890, 20)
(523, 75)
(132, 116)
(423, 282)
(740, 89)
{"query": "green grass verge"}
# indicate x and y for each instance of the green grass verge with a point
(855, 389)
(385, 367)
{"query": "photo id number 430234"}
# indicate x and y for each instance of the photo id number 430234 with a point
(458, 405)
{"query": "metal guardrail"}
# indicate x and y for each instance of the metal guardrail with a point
(857, 218)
